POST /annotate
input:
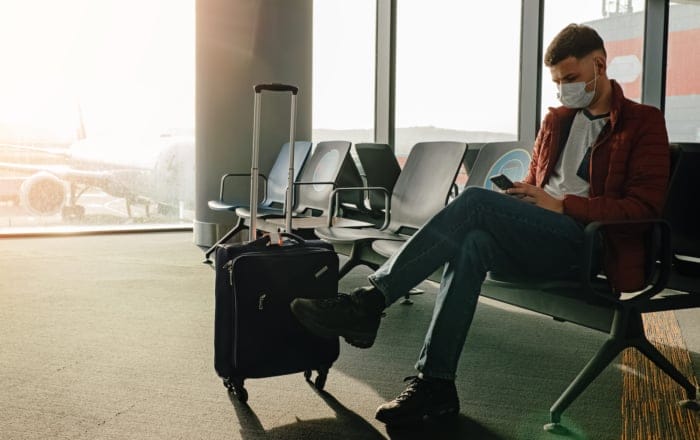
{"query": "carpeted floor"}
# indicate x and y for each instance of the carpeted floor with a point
(111, 337)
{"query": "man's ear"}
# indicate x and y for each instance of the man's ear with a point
(600, 65)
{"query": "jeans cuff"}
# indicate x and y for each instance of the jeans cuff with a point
(436, 374)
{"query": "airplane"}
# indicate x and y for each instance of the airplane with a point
(158, 171)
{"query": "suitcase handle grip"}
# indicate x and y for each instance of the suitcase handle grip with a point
(293, 237)
(276, 87)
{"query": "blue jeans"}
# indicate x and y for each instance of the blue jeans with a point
(479, 231)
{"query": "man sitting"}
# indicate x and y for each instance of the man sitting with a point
(599, 156)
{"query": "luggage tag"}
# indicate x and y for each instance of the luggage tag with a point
(275, 238)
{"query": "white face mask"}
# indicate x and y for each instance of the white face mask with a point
(574, 95)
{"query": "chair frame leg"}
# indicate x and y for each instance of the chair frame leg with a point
(654, 355)
(233, 231)
(354, 259)
(627, 330)
(607, 352)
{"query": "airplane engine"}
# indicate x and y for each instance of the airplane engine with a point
(43, 194)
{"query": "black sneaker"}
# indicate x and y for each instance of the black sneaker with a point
(422, 398)
(354, 316)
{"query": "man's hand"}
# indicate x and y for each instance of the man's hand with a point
(537, 196)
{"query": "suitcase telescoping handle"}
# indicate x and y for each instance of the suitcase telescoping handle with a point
(254, 170)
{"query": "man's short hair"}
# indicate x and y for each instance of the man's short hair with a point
(575, 40)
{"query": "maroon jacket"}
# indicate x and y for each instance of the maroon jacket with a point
(628, 178)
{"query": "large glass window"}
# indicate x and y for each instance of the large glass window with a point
(683, 73)
(344, 38)
(457, 71)
(621, 25)
(96, 113)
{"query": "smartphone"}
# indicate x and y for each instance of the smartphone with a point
(502, 181)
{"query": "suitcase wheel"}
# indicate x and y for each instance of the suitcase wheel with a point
(235, 387)
(320, 381)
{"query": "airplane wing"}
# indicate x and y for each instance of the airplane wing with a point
(31, 168)
(115, 182)
(55, 175)
(62, 152)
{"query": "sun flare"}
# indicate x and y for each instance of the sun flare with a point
(127, 64)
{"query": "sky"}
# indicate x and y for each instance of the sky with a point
(127, 64)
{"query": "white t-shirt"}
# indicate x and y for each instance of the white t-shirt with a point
(584, 132)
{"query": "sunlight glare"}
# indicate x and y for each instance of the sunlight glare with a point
(128, 64)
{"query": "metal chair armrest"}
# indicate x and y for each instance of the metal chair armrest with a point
(226, 176)
(312, 182)
(662, 268)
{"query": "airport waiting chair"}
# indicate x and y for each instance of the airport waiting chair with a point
(494, 158)
(591, 302)
(683, 211)
(274, 188)
(470, 158)
(421, 190)
(381, 169)
(329, 166)
(378, 168)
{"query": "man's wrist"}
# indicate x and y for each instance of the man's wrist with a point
(560, 206)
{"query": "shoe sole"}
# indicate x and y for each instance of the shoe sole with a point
(442, 412)
(356, 339)
(360, 342)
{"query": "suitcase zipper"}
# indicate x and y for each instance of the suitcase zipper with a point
(305, 251)
(235, 321)
(229, 266)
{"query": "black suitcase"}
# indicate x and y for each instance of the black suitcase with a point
(255, 334)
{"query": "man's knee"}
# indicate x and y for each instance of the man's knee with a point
(478, 247)
(477, 240)
(473, 196)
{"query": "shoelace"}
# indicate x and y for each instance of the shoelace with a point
(341, 298)
(411, 389)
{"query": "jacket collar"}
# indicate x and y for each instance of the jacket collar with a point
(562, 118)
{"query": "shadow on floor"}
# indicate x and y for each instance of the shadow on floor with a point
(460, 427)
(349, 425)
(346, 424)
